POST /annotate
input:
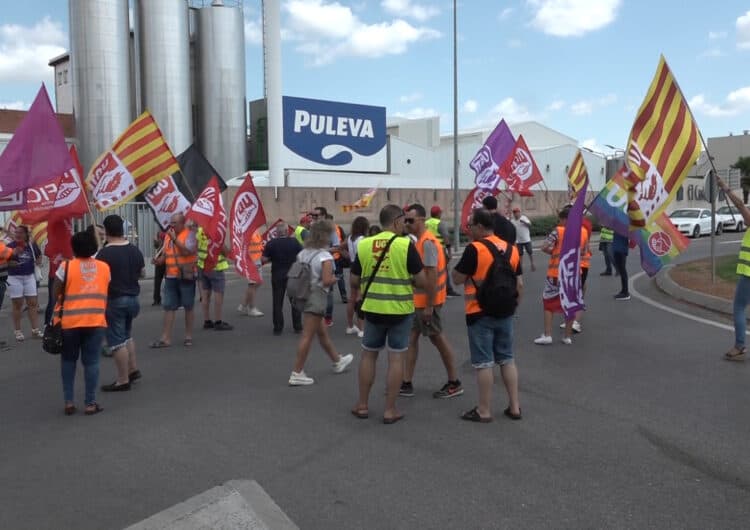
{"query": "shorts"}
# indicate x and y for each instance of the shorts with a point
(259, 265)
(491, 342)
(120, 314)
(20, 286)
(316, 303)
(178, 293)
(525, 246)
(212, 281)
(395, 335)
(433, 327)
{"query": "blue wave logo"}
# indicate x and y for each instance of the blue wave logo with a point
(332, 133)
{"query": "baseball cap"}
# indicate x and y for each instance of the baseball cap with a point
(435, 210)
(516, 209)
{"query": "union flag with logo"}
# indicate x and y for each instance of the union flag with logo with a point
(519, 170)
(208, 212)
(245, 217)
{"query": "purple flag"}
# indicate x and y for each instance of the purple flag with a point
(37, 153)
(569, 272)
(491, 156)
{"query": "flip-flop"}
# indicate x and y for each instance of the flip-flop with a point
(187, 342)
(158, 344)
(362, 414)
(394, 419)
(512, 416)
(473, 415)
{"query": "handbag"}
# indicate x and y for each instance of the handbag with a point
(52, 340)
(358, 305)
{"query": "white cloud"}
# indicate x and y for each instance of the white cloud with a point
(407, 8)
(572, 18)
(514, 43)
(737, 102)
(417, 113)
(327, 31)
(743, 31)
(556, 105)
(253, 31)
(587, 106)
(505, 13)
(511, 111)
(15, 105)
(26, 50)
(715, 35)
(711, 52)
(410, 98)
(471, 106)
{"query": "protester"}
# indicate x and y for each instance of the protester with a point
(85, 282)
(428, 302)
(339, 259)
(439, 229)
(22, 283)
(606, 236)
(281, 252)
(54, 262)
(212, 283)
(320, 261)
(319, 213)
(490, 337)
(504, 229)
(255, 253)
(620, 245)
(523, 235)
(126, 267)
(301, 230)
(5, 254)
(159, 268)
(388, 306)
(180, 248)
(742, 291)
(358, 232)
(586, 254)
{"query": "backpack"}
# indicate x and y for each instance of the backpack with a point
(299, 282)
(498, 294)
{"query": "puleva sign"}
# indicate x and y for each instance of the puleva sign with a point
(335, 136)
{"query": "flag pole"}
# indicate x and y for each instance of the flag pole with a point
(456, 212)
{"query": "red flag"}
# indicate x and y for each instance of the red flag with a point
(165, 200)
(208, 212)
(270, 232)
(58, 246)
(472, 202)
(246, 217)
(519, 170)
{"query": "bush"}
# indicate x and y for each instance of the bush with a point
(543, 225)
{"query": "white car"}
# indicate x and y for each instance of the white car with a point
(730, 219)
(694, 222)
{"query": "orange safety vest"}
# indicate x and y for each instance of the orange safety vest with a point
(441, 285)
(5, 252)
(255, 248)
(484, 260)
(86, 285)
(554, 260)
(174, 259)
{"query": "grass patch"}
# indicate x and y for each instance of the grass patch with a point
(726, 267)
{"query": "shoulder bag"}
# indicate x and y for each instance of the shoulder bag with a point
(358, 305)
(52, 341)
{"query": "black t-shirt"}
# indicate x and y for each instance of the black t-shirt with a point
(504, 229)
(125, 266)
(282, 253)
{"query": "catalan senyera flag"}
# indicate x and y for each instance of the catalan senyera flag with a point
(578, 175)
(363, 202)
(664, 143)
(38, 231)
(139, 158)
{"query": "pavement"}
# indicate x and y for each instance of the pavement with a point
(639, 423)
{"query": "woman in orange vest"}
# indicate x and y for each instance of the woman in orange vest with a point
(255, 253)
(85, 282)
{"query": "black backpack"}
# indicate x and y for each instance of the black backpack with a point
(498, 294)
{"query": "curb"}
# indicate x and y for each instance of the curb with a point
(665, 282)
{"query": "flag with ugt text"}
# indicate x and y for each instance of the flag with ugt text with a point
(208, 212)
(165, 200)
(569, 272)
(245, 217)
(663, 145)
(139, 158)
(578, 175)
(494, 151)
(519, 170)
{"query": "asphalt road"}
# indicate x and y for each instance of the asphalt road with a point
(638, 424)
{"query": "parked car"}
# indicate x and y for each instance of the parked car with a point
(694, 222)
(730, 218)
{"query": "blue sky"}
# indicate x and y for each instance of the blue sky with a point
(579, 66)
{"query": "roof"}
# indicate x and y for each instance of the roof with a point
(10, 119)
(59, 59)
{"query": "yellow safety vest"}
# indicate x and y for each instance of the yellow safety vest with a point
(391, 292)
(298, 234)
(432, 225)
(606, 235)
(743, 262)
(203, 241)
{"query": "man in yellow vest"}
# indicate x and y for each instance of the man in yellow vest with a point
(428, 303)
(300, 231)
(387, 304)
(606, 235)
(742, 291)
(438, 228)
(210, 282)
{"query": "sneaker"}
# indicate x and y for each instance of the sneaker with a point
(343, 362)
(300, 379)
(329, 322)
(19, 336)
(543, 339)
(566, 340)
(360, 334)
(622, 296)
(352, 330)
(406, 390)
(242, 308)
(576, 326)
(449, 390)
(220, 325)
(254, 312)
(207, 324)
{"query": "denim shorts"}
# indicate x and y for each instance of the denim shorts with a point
(491, 342)
(212, 281)
(178, 293)
(316, 303)
(396, 335)
(120, 314)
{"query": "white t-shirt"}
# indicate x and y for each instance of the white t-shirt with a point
(315, 257)
(523, 233)
(352, 246)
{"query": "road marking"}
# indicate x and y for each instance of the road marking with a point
(677, 312)
(730, 242)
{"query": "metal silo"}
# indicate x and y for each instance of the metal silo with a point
(100, 64)
(164, 52)
(222, 129)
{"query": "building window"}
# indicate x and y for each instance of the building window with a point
(680, 193)
(65, 76)
(59, 78)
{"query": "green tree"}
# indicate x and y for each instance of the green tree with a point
(743, 164)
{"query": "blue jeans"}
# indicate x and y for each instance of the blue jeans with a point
(741, 301)
(396, 336)
(491, 342)
(86, 342)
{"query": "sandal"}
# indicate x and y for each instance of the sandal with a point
(69, 409)
(92, 408)
(362, 414)
(187, 342)
(159, 344)
(735, 354)
(19, 336)
(512, 416)
(473, 415)
(393, 419)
